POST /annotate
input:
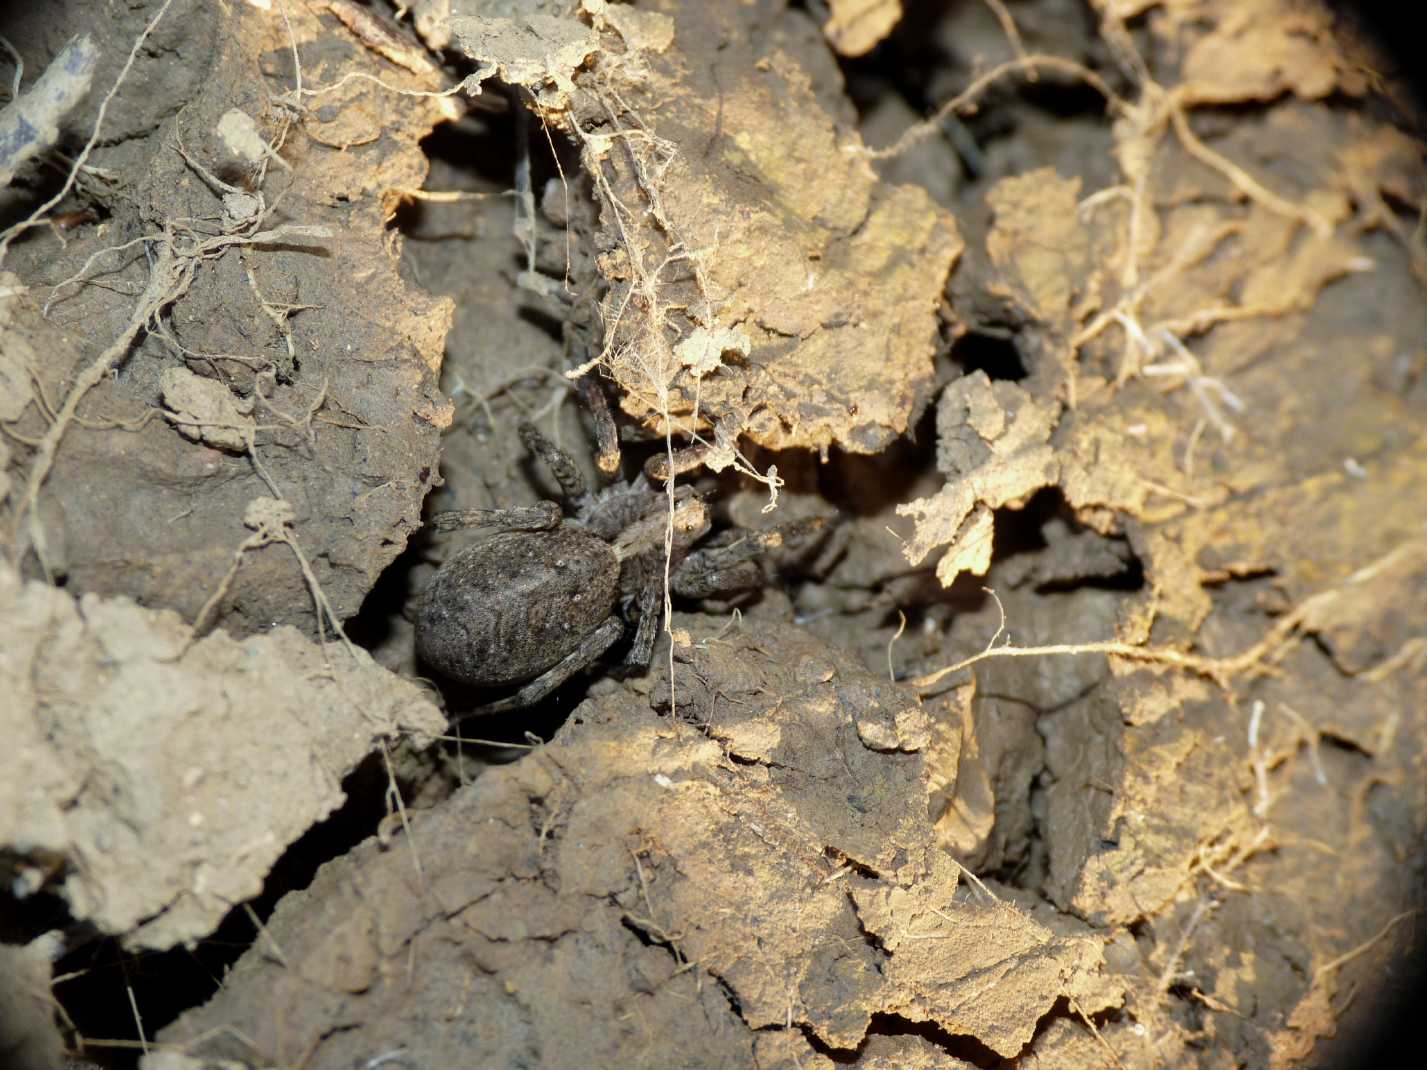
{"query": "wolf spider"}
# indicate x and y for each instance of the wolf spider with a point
(545, 594)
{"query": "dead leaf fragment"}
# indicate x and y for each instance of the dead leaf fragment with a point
(239, 135)
(993, 444)
(702, 351)
(856, 26)
(1261, 49)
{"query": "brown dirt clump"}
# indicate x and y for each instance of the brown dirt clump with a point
(766, 858)
(243, 293)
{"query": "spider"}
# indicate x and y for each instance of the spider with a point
(542, 596)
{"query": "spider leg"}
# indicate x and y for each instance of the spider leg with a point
(726, 565)
(528, 518)
(707, 581)
(651, 609)
(594, 644)
(562, 466)
(607, 454)
(685, 459)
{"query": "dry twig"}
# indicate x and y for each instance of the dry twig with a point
(1309, 615)
(966, 99)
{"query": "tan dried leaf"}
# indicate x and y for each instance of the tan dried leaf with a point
(993, 445)
(1261, 49)
(856, 26)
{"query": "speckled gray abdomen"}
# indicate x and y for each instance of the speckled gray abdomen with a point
(512, 605)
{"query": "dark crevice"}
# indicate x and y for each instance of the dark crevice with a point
(1142, 932)
(857, 484)
(25, 917)
(993, 353)
(840, 1056)
(545, 320)
(1343, 743)
(870, 938)
(744, 760)
(1061, 1010)
(167, 983)
(1320, 646)
(1130, 580)
(1063, 98)
(648, 939)
(734, 1004)
(730, 996)
(1022, 531)
(1028, 539)
(957, 1045)
(1392, 29)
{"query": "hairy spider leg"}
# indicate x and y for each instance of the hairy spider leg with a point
(685, 459)
(562, 466)
(540, 517)
(607, 454)
(651, 612)
(727, 564)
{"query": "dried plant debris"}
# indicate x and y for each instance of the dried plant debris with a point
(736, 206)
(244, 288)
(854, 27)
(164, 776)
(993, 443)
(1179, 345)
(1257, 51)
(770, 865)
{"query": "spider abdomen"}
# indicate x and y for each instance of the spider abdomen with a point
(510, 606)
